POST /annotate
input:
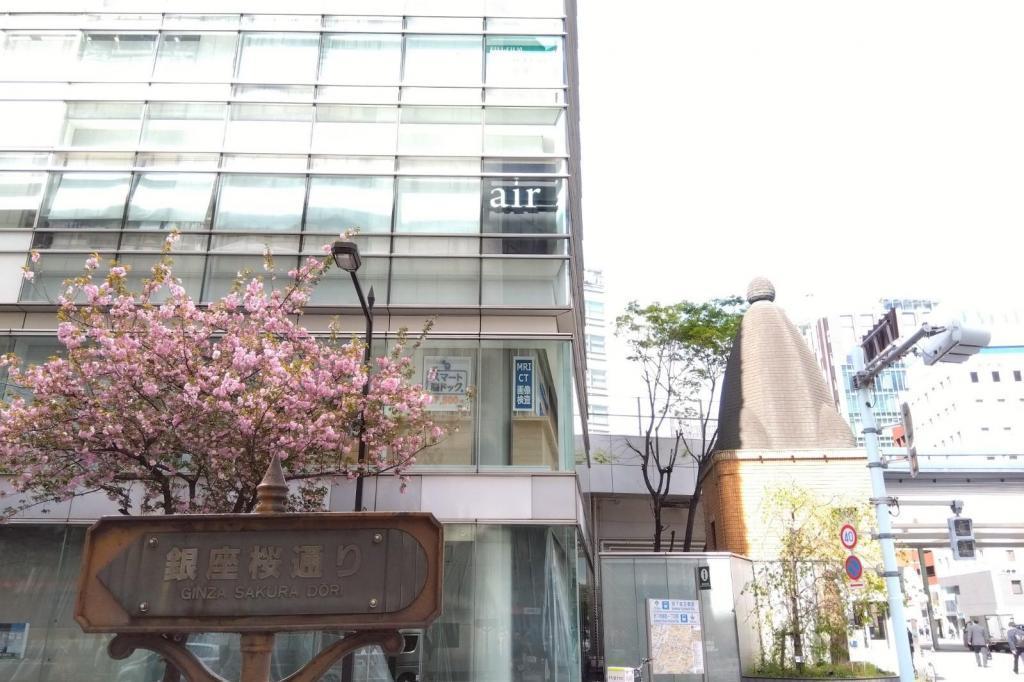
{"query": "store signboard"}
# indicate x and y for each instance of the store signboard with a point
(522, 397)
(447, 379)
(674, 637)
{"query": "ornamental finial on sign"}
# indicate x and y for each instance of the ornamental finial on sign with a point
(272, 492)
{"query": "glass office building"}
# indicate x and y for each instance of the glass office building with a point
(446, 132)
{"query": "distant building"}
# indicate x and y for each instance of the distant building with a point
(834, 336)
(596, 334)
(974, 407)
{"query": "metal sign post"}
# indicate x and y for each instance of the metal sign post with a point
(152, 579)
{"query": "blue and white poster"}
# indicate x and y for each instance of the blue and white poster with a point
(522, 384)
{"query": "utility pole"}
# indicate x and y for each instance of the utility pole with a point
(865, 401)
(881, 347)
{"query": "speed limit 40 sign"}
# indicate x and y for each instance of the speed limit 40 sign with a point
(848, 536)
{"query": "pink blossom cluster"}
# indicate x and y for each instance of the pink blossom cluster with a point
(183, 406)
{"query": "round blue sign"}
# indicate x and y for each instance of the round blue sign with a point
(854, 568)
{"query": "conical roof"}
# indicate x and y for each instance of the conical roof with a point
(774, 396)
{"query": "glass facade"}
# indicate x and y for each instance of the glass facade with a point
(295, 127)
(511, 613)
(442, 133)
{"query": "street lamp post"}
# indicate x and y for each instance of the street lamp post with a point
(943, 344)
(346, 257)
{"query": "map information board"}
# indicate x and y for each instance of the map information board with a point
(674, 636)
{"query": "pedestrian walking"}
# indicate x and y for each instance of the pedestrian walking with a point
(977, 641)
(1015, 640)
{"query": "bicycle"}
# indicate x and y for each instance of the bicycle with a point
(638, 672)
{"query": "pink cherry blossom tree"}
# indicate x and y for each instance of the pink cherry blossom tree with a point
(167, 406)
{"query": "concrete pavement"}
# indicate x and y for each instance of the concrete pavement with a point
(960, 666)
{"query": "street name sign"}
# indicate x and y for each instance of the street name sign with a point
(260, 572)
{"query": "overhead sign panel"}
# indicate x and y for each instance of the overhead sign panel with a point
(881, 336)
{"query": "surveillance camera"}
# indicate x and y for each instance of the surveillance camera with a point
(955, 344)
(957, 506)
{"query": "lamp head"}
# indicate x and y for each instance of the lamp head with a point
(346, 255)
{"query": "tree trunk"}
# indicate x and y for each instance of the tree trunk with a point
(657, 526)
(691, 514)
(798, 639)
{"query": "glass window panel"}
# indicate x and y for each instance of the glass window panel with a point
(51, 271)
(269, 127)
(178, 161)
(189, 269)
(223, 271)
(525, 97)
(260, 203)
(511, 132)
(339, 203)
(441, 95)
(336, 288)
(254, 243)
(435, 281)
(519, 25)
(285, 21)
(524, 8)
(165, 201)
(363, 23)
(438, 205)
(530, 205)
(355, 130)
(353, 164)
(184, 126)
(524, 282)
(525, 246)
(279, 57)
(30, 56)
(444, 24)
(524, 60)
(102, 124)
(196, 56)
(154, 241)
(443, 60)
(524, 167)
(357, 95)
(437, 246)
(85, 200)
(448, 8)
(266, 163)
(200, 20)
(274, 93)
(122, 56)
(440, 166)
(92, 160)
(18, 160)
(530, 436)
(361, 58)
(440, 131)
(31, 124)
(78, 240)
(448, 369)
(19, 198)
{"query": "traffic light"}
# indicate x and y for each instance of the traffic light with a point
(955, 344)
(961, 537)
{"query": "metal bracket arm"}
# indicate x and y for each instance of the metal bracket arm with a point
(173, 651)
(892, 354)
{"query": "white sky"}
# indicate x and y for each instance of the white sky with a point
(837, 148)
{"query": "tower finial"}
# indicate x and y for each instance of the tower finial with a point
(760, 289)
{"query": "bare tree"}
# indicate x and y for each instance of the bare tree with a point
(681, 351)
